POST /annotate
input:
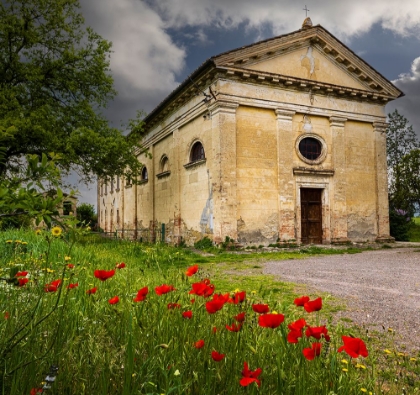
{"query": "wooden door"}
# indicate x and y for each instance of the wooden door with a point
(311, 214)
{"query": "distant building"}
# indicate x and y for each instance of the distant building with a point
(280, 140)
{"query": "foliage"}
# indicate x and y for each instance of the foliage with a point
(403, 163)
(86, 214)
(203, 244)
(54, 80)
(406, 191)
(35, 195)
(400, 223)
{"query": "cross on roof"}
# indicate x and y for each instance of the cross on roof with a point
(306, 9)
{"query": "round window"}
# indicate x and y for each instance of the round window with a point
(310, 148)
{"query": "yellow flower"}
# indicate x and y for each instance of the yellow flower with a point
(400, 354)
(390, 330)
(177, 373)
(344, 361)
(363, 389)
(18, 242)
(345, 370)
(386, 351)
(253, 292)
(237, 290)
(56, 231)
(9, 241)
(38, 232)
(50, 270)
(360, 366)
(274, 312)
(67, 258)
(24, 243)
(413, 359)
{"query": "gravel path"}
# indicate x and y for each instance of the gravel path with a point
(380, 288)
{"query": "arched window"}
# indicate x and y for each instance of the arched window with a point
(144, 174)
(164, 164)
(197, 152)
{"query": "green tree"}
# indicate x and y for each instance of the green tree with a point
(54, 81)
(401, 142)
(86, 213)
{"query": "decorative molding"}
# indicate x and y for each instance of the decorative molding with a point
(225, 107)
(141, 182)
(284, 114)
(163, 174)
(380, 127)
(315, 172)
(337, 122)
(195, 164)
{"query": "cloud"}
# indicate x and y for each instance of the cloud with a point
(144, 57)
(408, 105)
(344, 19)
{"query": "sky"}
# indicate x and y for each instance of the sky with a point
(156, 44)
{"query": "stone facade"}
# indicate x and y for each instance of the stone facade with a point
(263, 104)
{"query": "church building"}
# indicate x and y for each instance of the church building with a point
(278, 141)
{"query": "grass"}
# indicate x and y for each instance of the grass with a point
(414, 231)
(145, 348)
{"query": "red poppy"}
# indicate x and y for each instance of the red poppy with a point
(317, 332)
(354, 347)
(214, 329)
(260, 308)
(192, 300)
(223, 298)
(53, 286)
(270, 320)
(6, 315)
(234, 327)
(214, 305)
(21, 274)
(313, 305)
(240, 317)
(164, 289)
(301, 301)
(202, 288)
(311, 353)
(199, 344)
(22, 281)
(249, 376)
(187, 314)
(71, 286)
(141, 294)
(191, 270)
(172, 306)
(239, 297)
(114, 300)
(70, 265)
(92, 291)
(120, 265)
(217, 356)
(297, 325)
(35, 391)
(104, 274)
(295, 330)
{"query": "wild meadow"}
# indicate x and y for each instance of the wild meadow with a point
(92, 316)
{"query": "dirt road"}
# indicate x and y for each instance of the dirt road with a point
(381, 288)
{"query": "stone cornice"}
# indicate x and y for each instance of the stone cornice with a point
(222, 106)
(284, 114)
(301, 84)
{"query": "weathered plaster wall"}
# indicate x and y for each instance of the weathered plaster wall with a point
(257, 186)
(361, 179)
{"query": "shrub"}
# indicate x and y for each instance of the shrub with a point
(400, 222)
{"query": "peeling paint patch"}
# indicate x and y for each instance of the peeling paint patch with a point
(310, 63)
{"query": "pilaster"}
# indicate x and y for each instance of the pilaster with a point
(285, 147)
(223, 170)
(339, 199)
(382, 204)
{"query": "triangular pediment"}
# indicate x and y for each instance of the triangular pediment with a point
(309, 54)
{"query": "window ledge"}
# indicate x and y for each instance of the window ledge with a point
(141, 182)
(196, 163)
(320, 172)
(163, 174)
(129, 186)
